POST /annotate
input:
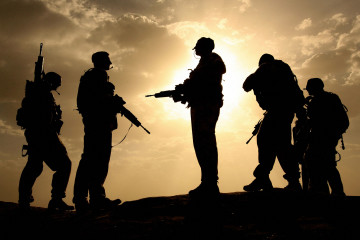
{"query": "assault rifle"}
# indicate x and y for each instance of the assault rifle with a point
(39, 66)
(119, 102)
(256, 130)
(177, 95)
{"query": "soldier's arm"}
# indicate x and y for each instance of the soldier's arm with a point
(248, 84)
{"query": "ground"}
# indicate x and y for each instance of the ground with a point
(272, 216)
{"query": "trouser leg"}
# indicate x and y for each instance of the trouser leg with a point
(58, 161)
(335, 182)
(266, 150)
(286, 156)
(203, 122)
(93, 167)
(30, 173)
(61, 178)
(81, 185)
(99, 164)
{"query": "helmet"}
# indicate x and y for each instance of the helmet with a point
(314, 84)
(205, 43)
(266, 58)
(100, 57)
(53, 79)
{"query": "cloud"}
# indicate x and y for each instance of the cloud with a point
(351, 39)
(80, 12)
(6, 129)
(189, 31)
(244, 5)
(338, 18)
(306, 23)
(222, 23)
(330, 63)
(140, 45)
(354, 69)
(311, 43)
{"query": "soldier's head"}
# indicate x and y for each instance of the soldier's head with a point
(101, 60)
(53, 80)
(204, 46)
(266, 58)
(314, 86)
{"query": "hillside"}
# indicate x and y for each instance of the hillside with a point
(271, 216)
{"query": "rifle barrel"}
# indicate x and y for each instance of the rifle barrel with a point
(152, 95)
(41, 46)
(145, 129)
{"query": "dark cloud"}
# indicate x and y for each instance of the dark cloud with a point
(25, 21)
(333, 63)
(144, 49)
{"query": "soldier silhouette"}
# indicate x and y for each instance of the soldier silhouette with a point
(41, 118)
(327, 120)
(98, 107)
(278, 93)
(203, 92)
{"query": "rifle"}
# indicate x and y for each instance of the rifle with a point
(256, 130)
(119, 102)
(168, 93)
(39, 66)
(177, 95)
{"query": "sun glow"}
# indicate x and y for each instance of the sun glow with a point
(232, 85)
(232, 81)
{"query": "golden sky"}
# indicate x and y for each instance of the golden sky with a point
(150, 44)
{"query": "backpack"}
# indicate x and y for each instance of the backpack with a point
(296, 96)
(24, 113)
(341, 117)
(281, 89)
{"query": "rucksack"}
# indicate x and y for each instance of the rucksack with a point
(24, 113)
(341, 117)
(281, 89)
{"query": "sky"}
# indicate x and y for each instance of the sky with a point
(150, 44)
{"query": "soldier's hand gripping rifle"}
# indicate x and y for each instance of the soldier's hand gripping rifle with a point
(39, 66)
(119, 102)
(177, 95)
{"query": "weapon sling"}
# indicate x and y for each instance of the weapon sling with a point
(124, 136)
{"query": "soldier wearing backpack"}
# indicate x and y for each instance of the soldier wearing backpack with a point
(41, 118)
(278, 93)
(328, 120)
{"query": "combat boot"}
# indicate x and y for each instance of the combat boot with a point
(24, 202)
(259, 184)
(104, 204)
(205, 190)
(59, 204)
(82, 206)
(294, 186)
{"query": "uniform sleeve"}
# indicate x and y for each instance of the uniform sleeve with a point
(248, 84)
(253, 81)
